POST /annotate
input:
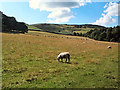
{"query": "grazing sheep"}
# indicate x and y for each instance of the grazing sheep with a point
(64, 55)
(109, 47)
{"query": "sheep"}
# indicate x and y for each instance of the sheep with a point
(109, 47)
(64, 55)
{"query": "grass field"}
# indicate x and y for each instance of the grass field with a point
(33, 27)
(83, 30)
(30, 61)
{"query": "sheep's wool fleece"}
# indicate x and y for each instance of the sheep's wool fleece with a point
(62, 54)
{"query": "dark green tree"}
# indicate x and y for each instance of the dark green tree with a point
(74, 34)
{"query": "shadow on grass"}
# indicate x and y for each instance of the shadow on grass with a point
(68, 62)
(65, 62)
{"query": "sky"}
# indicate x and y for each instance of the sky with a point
(62, 12)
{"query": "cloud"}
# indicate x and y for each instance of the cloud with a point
(105, 20)
(112, 9)
(61, 15)
(60, 10)
(108, 14)
(106, 5)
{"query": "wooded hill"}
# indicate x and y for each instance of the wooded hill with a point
(9, 24)
(64, 28)
(105, 34)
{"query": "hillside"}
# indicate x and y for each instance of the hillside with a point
(89, 26)
(9, 24)
(53, 28)
(108, 34)
(86, 30)
(33, 28)
(65, 28)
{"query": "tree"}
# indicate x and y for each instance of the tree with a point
(105, 34)
(77, 34)
(96, 37)
(80, 34)
(74, 33)
(9, 24)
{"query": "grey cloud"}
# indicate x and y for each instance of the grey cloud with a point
(62, 4)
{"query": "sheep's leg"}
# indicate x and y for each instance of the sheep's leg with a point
(69, 58)
(61, 60)
(58, 59)
(66, 60)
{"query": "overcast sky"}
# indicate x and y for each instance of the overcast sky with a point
(62, 11)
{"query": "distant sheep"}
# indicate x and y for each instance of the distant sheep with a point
(109, 47)
(65, 55)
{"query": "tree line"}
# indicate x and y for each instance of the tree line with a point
(103, 34)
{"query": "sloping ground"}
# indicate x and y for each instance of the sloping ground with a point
(64, 29)
(83, 30)
(10, 24)
(30, 61)
(51, 28)
(30, 27)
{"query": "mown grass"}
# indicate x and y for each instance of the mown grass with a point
(30, 61)
(83, 30)
(30, 27)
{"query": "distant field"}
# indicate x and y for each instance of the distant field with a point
(33, 27)
(29, 61)
(83, 30)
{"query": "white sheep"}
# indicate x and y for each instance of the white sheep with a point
(109, 47)
(64, 55)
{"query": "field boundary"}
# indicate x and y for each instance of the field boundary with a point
(69, 37)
